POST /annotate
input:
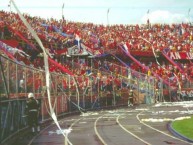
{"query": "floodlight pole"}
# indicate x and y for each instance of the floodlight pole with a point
(148, 17)
(189, 15)
(9, 6)
(63, 11)
(108, 16)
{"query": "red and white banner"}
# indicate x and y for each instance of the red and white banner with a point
(90, 50)
(180, 55)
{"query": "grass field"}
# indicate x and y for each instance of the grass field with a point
(184, 127)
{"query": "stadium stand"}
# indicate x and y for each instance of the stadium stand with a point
(108, 63)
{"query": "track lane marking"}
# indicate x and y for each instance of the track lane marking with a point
(137, 116)
(117, 120)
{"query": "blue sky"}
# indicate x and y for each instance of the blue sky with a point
(120, 11)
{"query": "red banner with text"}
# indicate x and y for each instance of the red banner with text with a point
(180, 55)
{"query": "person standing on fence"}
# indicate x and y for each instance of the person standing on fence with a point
(32, 109)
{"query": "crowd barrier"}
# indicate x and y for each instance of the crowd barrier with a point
(68, 93)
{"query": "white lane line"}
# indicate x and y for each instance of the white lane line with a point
(159, 130)
(130, 132)
(97, 133)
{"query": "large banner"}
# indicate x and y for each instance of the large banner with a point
(180, 55)
(171, 60)
(90, 50)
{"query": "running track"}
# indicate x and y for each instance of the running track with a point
(126, 126)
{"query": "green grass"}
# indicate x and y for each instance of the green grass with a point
(184, 127)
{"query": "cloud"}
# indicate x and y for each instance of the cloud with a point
(161, 16)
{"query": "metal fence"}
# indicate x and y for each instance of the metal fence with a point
(97, 90)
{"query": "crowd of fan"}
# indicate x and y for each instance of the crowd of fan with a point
(141, 38)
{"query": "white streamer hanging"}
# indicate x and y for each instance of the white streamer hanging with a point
(47, 73)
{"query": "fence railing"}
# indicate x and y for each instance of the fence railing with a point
(97, 90)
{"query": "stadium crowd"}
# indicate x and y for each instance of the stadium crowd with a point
(59, 36)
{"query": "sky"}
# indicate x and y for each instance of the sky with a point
(96, 11)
